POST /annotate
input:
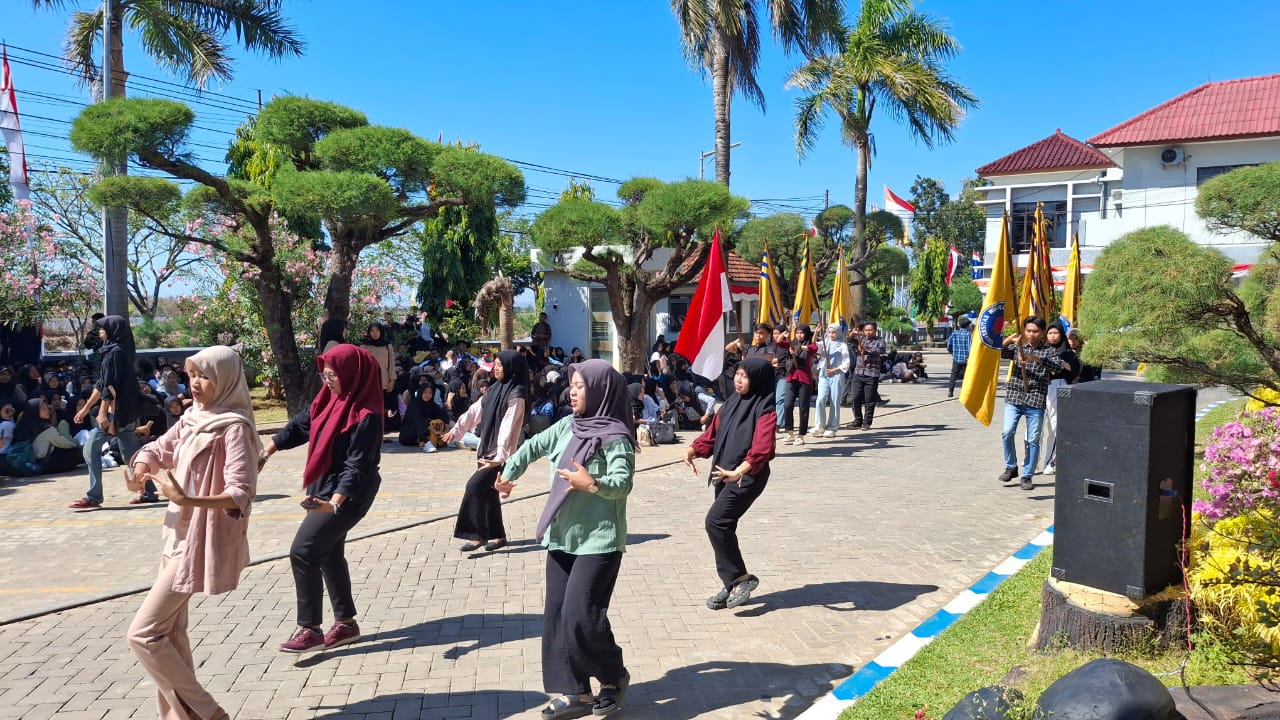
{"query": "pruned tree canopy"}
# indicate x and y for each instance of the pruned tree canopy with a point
(1243, 199)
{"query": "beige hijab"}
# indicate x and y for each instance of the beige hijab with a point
(205, 422)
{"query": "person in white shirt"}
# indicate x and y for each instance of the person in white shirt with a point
(832, 366)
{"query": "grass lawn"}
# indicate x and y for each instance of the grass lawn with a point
(984, 645)
(266, 410)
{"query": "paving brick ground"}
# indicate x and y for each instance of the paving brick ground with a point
(856, 540)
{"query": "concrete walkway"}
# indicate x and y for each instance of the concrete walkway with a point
(856, 540)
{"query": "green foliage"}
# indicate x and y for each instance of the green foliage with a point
(787, 236)
(964, 296)
(6, 193)
(457, 322)
(928, 281)
(153, 196)
(887, 262)
(459, 248)
(633, 191)
(884, 227)
(477, 177)
(961, 222)
(578, 191)
(397, 156)
(835, 223)
(119, 127)
(343, 197)
(1243, 199)
(297, 123)
(677, 211)
(576, 222)
(1156, 297)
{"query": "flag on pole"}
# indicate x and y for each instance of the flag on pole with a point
(978, 393)
(953, 263)
(892, 201)
(1036, 297)
(11, 130)
(842, 298)
(1071, 292)
(806, 292)
(976, 265)
(771, 308)
(702, 337)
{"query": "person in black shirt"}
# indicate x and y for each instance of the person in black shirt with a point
(1088, 373)
(1025, 395)
(343, 429)
(1056, 339)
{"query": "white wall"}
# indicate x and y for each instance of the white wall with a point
(568, 308)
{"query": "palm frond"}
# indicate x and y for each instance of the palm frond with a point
(695, 32)
(809, 26)
(257, 24)
(78, 48)
(808, 122)
(179, 44)
(922, 36)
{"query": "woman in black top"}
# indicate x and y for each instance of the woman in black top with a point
(343, 427)
(1057, 339)
(420, 410)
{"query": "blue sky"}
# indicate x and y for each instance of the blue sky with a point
(602, 88)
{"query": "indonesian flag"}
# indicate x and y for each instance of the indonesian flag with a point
(891, 201)
(976, 264)
(12, 131)
(702, 336)
(953, 262)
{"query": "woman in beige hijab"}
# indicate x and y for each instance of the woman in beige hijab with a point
(207, 465)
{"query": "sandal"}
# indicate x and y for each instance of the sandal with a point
(471, 546)
(609, 701)
(566, 707)
(495, 545)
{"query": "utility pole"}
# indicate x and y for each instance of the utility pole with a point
(115, 221)
(826, 199)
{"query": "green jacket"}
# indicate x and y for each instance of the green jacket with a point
(588, 523)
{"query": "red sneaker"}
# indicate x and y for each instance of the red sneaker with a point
(341, 633)
(305, 640)
(85, 504)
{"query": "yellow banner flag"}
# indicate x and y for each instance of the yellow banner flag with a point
(1071, 292)
(806, 292)
(978, 393)
(771, 309)
(842, 298)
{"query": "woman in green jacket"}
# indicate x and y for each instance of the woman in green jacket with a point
(584, 528)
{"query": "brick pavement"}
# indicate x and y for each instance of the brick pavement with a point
(856, 540)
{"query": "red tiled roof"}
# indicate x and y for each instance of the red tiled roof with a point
(740, 271)
(1245, 108)
(1056, 152)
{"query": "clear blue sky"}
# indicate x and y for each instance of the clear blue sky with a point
(602, 87)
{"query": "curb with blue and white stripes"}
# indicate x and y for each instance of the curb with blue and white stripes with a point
(874, 672)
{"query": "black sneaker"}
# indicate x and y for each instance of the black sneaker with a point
(719, 601)
(1027, 484)
(1008, 474)
(855, 425)
(742, 592)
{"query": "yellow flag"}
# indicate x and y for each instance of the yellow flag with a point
(842, 298)
(1071, 293)
(978, 393)
(806, 291)
(771, 308)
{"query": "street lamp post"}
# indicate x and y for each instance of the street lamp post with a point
(702, 161)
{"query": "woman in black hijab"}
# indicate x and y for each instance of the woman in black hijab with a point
(740, 441)
(500, 413)
(420, 410)
(332, 332)
(119, 403)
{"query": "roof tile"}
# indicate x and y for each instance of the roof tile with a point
(1059, 151)
(1229, 109)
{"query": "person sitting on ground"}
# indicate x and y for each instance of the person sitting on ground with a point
(52, 446)
(424, 420)
(170, 386)
(30, 384)
(7, 425)
(916, 365)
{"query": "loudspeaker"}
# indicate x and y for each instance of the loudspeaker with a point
(1123, 503)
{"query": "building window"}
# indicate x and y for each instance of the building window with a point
(1209, 172)
(1022, 223)
(677, 309)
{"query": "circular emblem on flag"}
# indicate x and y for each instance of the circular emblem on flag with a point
(991, 326)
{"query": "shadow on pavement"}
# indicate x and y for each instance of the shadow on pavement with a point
(707, 687)
(842, 596)
(481, 704)
(466, 633)
(516, 547)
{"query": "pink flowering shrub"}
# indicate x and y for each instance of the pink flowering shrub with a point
(1242, 466)
(40, 279)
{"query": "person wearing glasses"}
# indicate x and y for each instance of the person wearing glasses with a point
(343, 429)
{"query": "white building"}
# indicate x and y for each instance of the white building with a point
(579, 311)
(1141, 173)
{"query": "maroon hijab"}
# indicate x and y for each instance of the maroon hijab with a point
(332, 415)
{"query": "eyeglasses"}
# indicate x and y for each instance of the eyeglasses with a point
(329, 376)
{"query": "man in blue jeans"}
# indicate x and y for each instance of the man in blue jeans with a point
(1025, 394)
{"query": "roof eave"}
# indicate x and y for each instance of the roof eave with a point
(1174, 141)
(1045, 171)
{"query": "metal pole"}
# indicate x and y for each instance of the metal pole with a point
(108, 241)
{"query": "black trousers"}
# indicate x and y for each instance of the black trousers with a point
(577, 642)
(731, 503)
(480, 517)
(865, 395)
(319, 560)
(957, 373)
(798, 393)
(62, 460)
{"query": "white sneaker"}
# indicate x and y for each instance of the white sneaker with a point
(428, 448)
(829, 434)
(1049, 470)
(799, 440)
(790, 439)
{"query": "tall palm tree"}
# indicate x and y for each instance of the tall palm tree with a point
(722, 37)
(893, 60)
(184, 37)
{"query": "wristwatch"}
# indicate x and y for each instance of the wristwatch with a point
(595, 486)
(336, 507)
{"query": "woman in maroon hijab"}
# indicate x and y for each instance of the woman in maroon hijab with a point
(344, 429)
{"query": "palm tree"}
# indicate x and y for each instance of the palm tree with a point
(722, 37)
(893, 61)
(184, 37)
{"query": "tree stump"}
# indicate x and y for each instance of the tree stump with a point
(1086, 618)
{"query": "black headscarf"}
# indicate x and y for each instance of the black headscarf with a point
(119, 336)
(28, 383)
(331, 330)
(740, 413)
(606, 419)
(119, 355)
(30, 424)
(382, 335)
(514, 384)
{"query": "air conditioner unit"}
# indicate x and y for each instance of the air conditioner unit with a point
(1117, 197)
(1172, 156)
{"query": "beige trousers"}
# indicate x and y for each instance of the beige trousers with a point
(158, 637)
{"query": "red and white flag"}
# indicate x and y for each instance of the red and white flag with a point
(12, 131)
(953, 262)
(702, 336)
(893, 202)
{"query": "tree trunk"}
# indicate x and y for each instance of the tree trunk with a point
(342, 266)
(1087, 619)
(116, 245)
(507, 322)
(858, 277)
(722, 99)
(277, 315)
(633, 340)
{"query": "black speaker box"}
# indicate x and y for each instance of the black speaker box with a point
(1123, 504)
